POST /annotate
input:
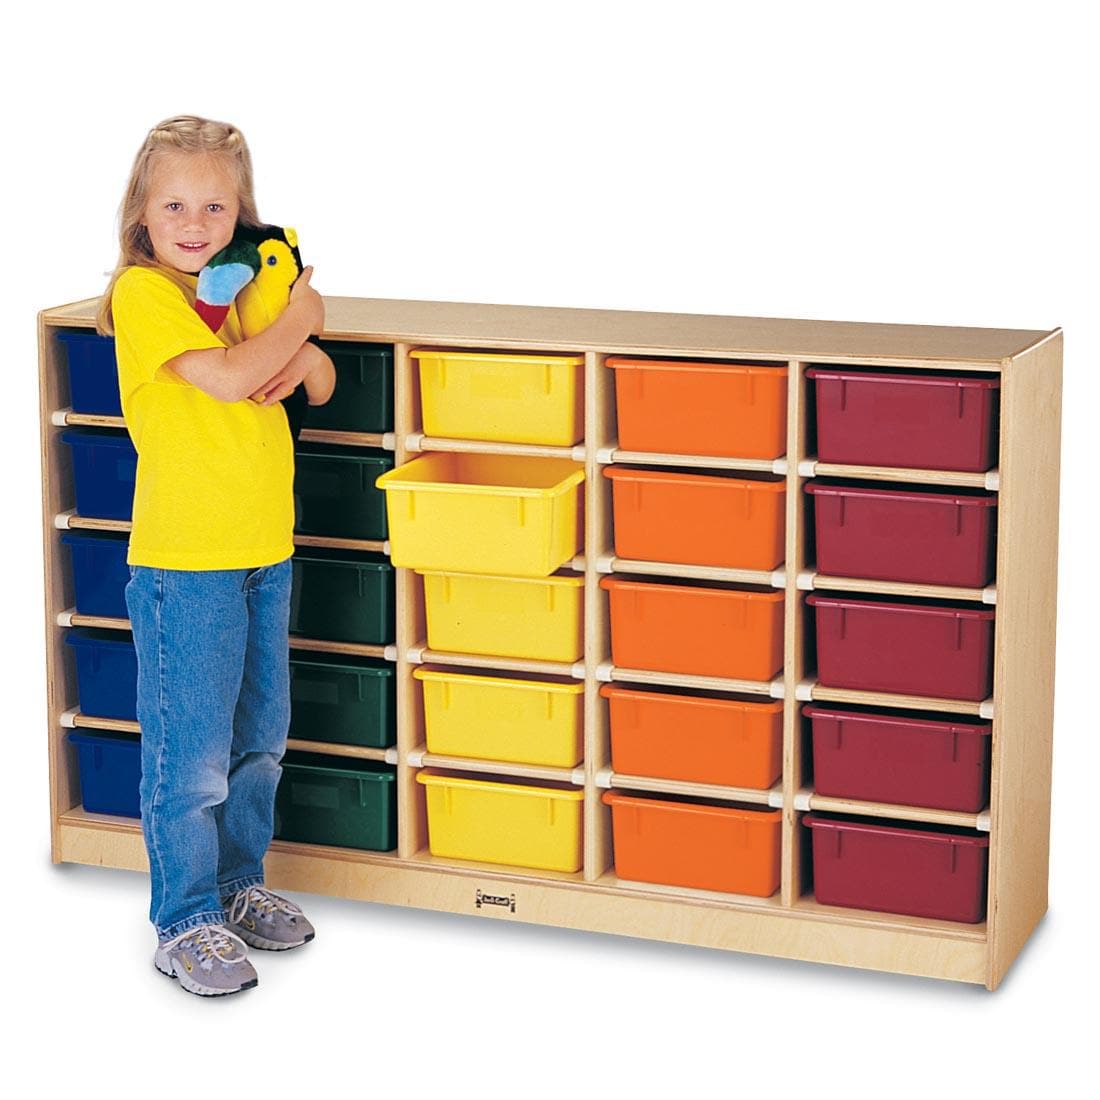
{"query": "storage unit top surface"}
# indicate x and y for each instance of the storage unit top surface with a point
(554, 328)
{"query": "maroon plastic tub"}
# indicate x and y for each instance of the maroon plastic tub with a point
(925, 421)
(927, 871)
(894, 534)
(907, 647)
(905, 759)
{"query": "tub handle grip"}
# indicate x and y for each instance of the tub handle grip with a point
(632, 708)
(838, 846)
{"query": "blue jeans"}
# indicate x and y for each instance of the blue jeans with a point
(214, 708)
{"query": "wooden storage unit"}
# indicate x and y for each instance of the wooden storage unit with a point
(790, 923)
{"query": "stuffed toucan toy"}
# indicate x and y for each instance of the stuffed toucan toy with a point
(256, 269)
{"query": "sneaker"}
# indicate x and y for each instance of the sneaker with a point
(208, 960)
(265, 920)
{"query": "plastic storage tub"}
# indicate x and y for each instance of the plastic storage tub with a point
(532, 619)
(476, 513)
(696, 738)
(906, 759)
(341, 802)
(696, 519)
(342, 597)
(897, 534)
(100, 572)
(508, 398)
(110, 772)
(736, 410)
(106, 673)
(93, 373)
(363, 398)
(943, 650)
(104, 472)
(694, 844)
(341, 699)
(926, 421)
(535, 823)
(518, 718)
(335, 494)
(923, 871)
(700, 631)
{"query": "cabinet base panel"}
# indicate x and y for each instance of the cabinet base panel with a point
(808, 932)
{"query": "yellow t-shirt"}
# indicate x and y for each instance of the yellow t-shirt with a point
(215, 479)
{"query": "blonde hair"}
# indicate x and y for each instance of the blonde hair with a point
(182, 134)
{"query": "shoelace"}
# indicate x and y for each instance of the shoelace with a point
(212, 941)
(264, 901)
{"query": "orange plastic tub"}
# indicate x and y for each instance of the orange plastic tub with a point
(663, 515)
(694, 844)
(697, 738)
(738, 410)
(700, 631)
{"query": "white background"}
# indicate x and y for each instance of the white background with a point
(926, 163)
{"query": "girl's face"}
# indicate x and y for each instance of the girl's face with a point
(192, 209)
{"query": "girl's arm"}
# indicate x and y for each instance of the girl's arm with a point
(232, 374)
(321, 380)
(310, 366)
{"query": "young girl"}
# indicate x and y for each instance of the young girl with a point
(209, 557)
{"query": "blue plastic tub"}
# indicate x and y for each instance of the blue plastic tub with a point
(100, 572)
(93, 373)
(110, 772)
(106, 673)
(104, 472)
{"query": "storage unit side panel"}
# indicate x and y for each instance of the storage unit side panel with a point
(1027, 564)
(57, 498)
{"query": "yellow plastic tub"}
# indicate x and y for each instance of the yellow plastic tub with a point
(474, 513)
(537, 619)
(530, 824)
(509, 398)
(519, 718)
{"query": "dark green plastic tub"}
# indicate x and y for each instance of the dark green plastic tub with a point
(345, 700)
(363, 398)
(335, 494)
(342, 596)
(332, 800)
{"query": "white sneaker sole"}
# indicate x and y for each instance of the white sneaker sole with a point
(174, 969)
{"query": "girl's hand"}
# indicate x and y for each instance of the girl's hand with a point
(306, 298)
(288, 379)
